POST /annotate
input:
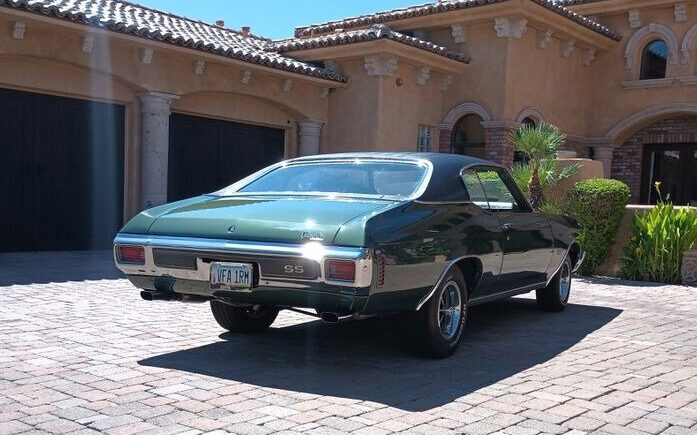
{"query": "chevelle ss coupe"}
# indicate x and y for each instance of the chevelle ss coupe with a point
(427, 235)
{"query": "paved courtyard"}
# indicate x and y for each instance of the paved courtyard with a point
(80, 352)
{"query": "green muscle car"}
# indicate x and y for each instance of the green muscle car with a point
(423, 234)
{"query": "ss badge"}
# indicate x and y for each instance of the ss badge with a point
(293, 269)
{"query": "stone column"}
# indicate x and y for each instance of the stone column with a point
(444, 136)
(603, 153)
(498, 145)
(155, 111)
(309, 133)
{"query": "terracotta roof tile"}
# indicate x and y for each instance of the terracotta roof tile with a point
(125, 17)
(377, 31)
(442, 7)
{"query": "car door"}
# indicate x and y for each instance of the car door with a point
(526, 235)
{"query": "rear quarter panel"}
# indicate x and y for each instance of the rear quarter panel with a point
(417, 241)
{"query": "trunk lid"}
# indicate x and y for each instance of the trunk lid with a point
(270, 219)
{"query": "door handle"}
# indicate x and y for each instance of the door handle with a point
(506, 227)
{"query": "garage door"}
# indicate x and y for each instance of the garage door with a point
(208, 154)
(61, 166)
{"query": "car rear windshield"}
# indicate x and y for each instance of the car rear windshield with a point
(383, 179)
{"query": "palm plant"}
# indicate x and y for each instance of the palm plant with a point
(539, 143)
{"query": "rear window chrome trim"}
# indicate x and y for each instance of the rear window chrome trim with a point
(234, 189)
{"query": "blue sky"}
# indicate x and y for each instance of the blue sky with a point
(273, 18)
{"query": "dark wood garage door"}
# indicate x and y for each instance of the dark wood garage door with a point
(61, 166)
(208, 154)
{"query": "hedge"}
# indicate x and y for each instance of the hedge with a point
(598, 204)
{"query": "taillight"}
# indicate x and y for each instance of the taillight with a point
(130, 254)
(340, 270)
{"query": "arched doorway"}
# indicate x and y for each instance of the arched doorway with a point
(664, 151)
(468, 137)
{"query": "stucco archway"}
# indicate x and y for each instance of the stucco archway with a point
(461, 110)
(630, 125)
(532, 113)
(641, 35)
(688, 41)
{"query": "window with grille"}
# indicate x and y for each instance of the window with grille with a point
(425, 142)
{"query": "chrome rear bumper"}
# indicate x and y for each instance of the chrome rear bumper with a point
(206, 250)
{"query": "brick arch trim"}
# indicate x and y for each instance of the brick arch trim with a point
(665, 32)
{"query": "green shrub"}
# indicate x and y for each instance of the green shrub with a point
(598, 204)
(659, 239)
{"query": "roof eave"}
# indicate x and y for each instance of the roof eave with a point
(408, 54)
(198, 53)
(612, 6)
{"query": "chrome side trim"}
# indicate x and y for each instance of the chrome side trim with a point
(313, 251)
(418, 201)
(503, 295)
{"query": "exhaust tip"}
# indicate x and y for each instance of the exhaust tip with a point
(146, 296)
(329, 317)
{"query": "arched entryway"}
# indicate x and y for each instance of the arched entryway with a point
(468, 136)
(664, 151)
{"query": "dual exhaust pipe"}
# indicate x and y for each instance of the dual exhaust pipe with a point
(157, 295)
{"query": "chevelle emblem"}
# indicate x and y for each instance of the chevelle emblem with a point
(311, 235)
(231, 229)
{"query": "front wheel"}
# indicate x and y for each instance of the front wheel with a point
(243, 319)
(555, 296)
(440, 322)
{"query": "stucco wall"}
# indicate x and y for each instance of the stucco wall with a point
(49, 59)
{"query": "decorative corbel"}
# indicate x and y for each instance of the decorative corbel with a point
(287, 85)
(147, 56)
(544, 37)
(422, 75)
(199, 67)
(506, 28)
(245, 76)
(589, 56)
(88, 44)
(380, 66)
(18, 29)
(459, 33)
(445, 82)
(634, 19)
(680, 11)
(567, 47)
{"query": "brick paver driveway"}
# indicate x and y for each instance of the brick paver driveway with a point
(80, 351)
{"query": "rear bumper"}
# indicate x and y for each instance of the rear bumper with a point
(192, 274)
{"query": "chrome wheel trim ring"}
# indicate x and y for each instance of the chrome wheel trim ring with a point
(564, 282)
(450, 310)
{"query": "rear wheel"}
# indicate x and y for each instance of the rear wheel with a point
(440, 322)
(555, 296)
(243, 319)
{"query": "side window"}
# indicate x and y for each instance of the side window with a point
(497, 192)
(474, 189)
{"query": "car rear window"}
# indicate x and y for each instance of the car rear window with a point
(384, 179)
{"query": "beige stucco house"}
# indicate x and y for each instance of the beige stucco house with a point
(107, 107)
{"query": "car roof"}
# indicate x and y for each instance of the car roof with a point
(445, 183)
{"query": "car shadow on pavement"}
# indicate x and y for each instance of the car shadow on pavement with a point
(368, 359)
(23, 268)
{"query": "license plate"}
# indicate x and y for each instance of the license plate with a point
(231, 275)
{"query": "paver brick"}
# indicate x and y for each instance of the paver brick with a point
(88, 356)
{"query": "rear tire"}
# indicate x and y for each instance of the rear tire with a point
(243, 319)
(555, 296)
(441, 321)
